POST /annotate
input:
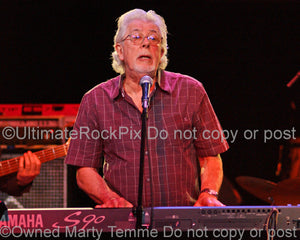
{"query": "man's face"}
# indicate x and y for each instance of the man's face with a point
(142, 58)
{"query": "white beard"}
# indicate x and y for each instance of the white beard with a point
(150, 71)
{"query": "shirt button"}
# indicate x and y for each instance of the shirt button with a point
(146, 153)
(148, 179)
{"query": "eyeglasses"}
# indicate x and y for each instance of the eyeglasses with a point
(137, 38)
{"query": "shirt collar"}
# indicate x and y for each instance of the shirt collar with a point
(162, 82)
(118, 89)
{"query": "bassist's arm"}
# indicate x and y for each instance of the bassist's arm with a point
(8, 184)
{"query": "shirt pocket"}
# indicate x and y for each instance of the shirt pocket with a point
(179, 128)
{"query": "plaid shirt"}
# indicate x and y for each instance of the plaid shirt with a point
(180, 122)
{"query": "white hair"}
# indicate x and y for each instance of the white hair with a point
(123, 23)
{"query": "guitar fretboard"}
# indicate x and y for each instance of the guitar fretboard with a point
(12, 165)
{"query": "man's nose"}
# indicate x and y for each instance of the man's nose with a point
(146, 42)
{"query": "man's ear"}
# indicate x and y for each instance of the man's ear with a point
(162, 51)
(119, 49)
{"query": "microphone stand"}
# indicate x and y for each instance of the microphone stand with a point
(146, 83)
(139, 209)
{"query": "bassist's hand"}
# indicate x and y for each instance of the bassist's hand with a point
(29, 168)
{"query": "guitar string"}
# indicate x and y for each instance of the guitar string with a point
(12, 165)
(44, 155)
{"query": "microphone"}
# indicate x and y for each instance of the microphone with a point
(146, 83)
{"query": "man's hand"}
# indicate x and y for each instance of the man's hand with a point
(115, 202)
(208, 200)
(29, 168)
(89, 180)
(211, 178)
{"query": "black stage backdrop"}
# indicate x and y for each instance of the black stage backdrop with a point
(244, 52)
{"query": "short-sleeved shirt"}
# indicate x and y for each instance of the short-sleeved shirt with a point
(181, 126)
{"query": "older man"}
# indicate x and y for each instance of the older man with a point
(182, 162)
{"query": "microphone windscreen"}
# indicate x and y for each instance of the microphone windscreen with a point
(146, 79)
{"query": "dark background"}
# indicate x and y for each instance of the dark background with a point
(244, 52)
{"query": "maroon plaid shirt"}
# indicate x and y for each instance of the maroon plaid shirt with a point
(180, 122)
